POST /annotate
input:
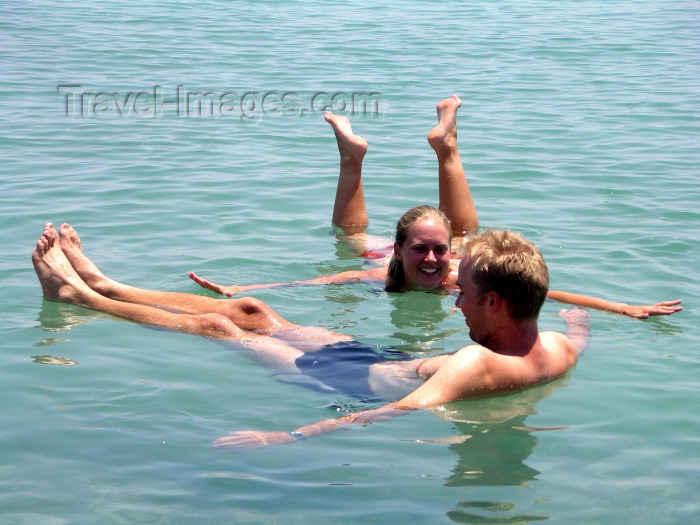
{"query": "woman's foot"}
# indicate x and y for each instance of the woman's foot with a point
(352, 147)
(443, 137)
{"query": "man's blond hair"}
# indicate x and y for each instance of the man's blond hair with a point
(505, 262)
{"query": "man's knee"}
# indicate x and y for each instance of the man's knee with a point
(250, 306)
(216, 325)
(252, 314)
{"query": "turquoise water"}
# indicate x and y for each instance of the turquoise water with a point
(579, 128)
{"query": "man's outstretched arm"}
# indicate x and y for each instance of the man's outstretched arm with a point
(453, 381)
(252, 439)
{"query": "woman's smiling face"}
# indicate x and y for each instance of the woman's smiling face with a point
(425, 254)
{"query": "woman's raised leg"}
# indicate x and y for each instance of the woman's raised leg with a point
(455, 196)
(349, 210)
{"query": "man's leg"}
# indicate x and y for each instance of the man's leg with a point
(349, 211)
(455, 197)
(246, 313)
(60, 282)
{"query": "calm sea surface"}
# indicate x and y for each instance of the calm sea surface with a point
(179, 136)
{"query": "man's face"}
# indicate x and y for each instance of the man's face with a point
(425, 254)
(473, 306)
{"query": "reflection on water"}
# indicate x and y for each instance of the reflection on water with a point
(53, 360)
(48, 341)
(465, 514)
(418, 317)
(664, 326)
(492, 445)
(61, 317)
(494, 455)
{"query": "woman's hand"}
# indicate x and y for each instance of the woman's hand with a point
(646, 311)
(217, 288)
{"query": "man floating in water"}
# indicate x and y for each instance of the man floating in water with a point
(502, 283)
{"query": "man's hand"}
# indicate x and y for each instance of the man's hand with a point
(217, 288)
(576, 317)
(577, 327)
(645, 311)
(245, 439)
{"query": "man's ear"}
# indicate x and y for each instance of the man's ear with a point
(494, 301)
(397, 252)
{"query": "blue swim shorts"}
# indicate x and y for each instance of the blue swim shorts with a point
(344, 366)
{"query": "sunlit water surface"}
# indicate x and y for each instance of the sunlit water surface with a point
(579, 128)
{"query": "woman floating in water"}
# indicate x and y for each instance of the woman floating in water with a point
(428, 241)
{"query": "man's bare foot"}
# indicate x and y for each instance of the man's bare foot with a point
(351, 146)
(443, 137)
(85, 268)
(59, 281)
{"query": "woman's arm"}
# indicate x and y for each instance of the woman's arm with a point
(638, 312)
(372, 275)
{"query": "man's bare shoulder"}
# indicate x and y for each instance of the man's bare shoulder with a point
(551, 357)
(467, 357)
(553, 337)
(560, 353)
(556, 341)
(472, 355)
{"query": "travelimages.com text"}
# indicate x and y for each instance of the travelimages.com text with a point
(80, 102)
